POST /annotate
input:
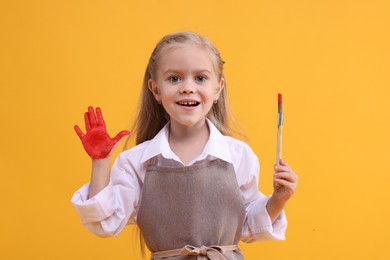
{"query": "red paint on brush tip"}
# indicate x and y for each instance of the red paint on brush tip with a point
(279, 98)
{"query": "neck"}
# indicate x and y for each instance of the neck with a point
(187, 142)
(181, 132)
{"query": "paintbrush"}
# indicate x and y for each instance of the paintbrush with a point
(280, 129)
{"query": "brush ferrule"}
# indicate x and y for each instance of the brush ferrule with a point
(280, 119)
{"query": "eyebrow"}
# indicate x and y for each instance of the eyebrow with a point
(178, 71)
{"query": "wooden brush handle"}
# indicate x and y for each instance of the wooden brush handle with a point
(279, 145)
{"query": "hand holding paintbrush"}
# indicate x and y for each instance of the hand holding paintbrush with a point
(285, 179)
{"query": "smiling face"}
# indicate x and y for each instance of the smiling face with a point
(186, 84)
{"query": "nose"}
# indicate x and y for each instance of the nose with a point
(187, 87)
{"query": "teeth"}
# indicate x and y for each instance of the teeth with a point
(188, 103)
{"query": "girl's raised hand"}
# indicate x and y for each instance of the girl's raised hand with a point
(285, 182)
(96, 141)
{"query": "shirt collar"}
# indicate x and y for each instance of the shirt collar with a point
(158, 145)
(216, 146)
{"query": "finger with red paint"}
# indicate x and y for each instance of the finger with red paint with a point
(99, 116)
(96, 141)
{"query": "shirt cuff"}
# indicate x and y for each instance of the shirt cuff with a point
(259, 226)
(94, 209)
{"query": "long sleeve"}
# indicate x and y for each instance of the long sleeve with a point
(257, 225)
(108, 212)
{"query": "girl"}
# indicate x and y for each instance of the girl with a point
(190, 188)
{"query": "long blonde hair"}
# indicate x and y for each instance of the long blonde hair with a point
(151, 115)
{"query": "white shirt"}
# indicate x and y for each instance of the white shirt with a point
(109, 211)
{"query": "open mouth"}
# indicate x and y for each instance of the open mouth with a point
(188, 103)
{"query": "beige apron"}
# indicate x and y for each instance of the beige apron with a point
(192, 212)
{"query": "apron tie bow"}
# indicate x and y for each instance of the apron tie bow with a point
(204, 252)
(208, 252)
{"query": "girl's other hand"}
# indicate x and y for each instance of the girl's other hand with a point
(96, 141)
(285, 182)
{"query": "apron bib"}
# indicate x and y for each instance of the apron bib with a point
(193, 212)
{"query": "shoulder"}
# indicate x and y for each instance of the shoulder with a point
(229, 148)
(135, 153)
(246, 165)
(245, 161)
(130, 161)
(238, 147)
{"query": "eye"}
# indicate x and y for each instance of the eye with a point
(201, 78)
(174, 79)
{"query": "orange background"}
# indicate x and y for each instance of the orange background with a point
(330, 59)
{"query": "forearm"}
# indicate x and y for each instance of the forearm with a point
(100, 176)
(274, 208)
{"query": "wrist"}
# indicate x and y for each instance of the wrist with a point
(101, 166)
(101, 160)
(276, 202)
(275, 207)
(100, 176)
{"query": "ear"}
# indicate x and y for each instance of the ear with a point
(152, 85)
(220, 86)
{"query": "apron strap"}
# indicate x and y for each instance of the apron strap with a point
(208, 252)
